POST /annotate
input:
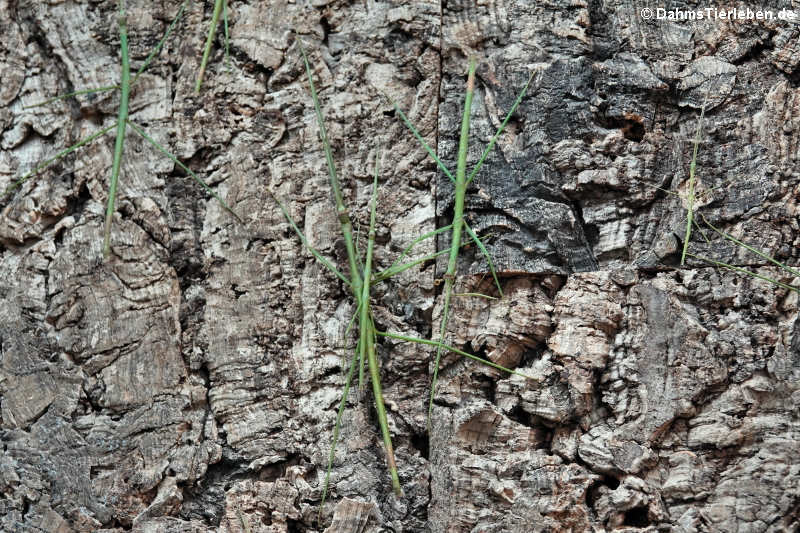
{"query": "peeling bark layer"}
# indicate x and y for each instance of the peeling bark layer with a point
(190, 383)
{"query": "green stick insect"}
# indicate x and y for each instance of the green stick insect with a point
(360, 282)
(692, 212)
(220, 8)
(460, 182)
(123, 121)
(690, 198)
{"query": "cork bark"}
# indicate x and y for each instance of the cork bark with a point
(190, 382)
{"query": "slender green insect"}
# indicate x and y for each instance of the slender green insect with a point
(121, 126)
(460, 182)
(360, 286)
(691, 197)
(692, 221)
(362, 279)
(220, 8)
(122, 122)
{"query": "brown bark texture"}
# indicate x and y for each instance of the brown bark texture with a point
(190, 382)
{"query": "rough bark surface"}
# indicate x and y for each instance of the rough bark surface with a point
(190, 382)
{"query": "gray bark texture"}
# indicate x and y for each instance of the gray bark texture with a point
(190, 382)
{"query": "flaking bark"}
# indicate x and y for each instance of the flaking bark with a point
(190, 382)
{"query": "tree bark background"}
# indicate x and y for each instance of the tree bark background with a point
(190, 382)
